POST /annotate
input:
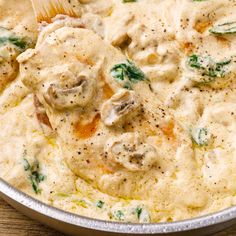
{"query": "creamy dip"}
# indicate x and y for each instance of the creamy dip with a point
(126, 113)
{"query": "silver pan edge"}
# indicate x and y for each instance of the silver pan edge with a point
(79, 225)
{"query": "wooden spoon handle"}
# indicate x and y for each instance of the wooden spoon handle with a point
(45, 10)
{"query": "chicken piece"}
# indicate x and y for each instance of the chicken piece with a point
(69, 82)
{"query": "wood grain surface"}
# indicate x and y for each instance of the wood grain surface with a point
(14, 223)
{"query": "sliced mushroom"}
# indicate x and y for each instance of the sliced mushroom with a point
(121, 105)
(71, 95)
(130, 152)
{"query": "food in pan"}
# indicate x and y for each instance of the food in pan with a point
(124, 113)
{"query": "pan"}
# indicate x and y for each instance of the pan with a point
(79, 225)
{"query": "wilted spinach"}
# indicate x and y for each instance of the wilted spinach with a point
(127, 73)
(208, 67)
(35, 176)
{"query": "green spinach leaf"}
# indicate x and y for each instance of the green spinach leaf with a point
(119, 215)
(138, 211)
(35, 176)
(127, 73)
(100, 204)
(208, 67)
(6, 36)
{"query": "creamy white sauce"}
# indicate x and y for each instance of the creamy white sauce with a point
(164, 150)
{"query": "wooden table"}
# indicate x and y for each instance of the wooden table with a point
(14, 223)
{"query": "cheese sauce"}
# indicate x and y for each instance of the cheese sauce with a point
(127, 113)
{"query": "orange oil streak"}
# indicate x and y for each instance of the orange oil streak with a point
(107, 91)
(85, 60)
(187, 47)
(223, 41)
(201, 27)
(85, 131)
(168, 130)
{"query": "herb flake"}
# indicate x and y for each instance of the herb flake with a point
(119, 215)
(8, 37)
(100, 204)
(138, 211)
(208, 67)
(35, 176)
(127, 73)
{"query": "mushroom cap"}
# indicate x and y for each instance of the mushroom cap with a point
(121, 106)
